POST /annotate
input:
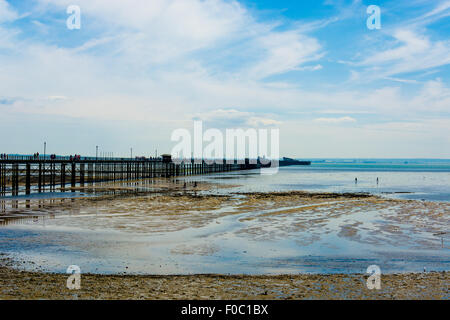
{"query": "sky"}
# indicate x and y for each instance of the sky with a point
(136, 70)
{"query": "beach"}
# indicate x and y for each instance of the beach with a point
(167, 239)
(36, 285)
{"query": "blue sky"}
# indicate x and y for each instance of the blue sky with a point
(137, 70)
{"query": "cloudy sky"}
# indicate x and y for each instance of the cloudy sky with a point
(138, 69)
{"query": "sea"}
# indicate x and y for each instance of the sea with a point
(416, 179)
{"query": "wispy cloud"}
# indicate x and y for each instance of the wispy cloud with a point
(413, 53)
(406, 47)
(335, 120)
(284, 51)
(6, 12)
(311, 68)
(232, 118)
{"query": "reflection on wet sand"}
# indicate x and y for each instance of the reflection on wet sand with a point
(192, 227)
(25, 207)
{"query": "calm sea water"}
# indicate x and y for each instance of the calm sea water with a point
(407, 179)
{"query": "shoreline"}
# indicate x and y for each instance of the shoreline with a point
(16, 284)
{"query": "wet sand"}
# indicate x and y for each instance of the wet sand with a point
(16, 284)
(142, 209)
(201, 219)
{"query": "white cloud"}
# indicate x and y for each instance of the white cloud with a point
(285, 51)
(401, 80)
(179, 32)
(433, 97)
(262, 122)
(412, 139)
(311, 68)
(441, 8)
(232, 118)
(337, 111)
(146, 56)
(414, 53)
(160, 30)
(6, 12)
(335, 120)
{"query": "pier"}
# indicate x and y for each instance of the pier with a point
(27, 174)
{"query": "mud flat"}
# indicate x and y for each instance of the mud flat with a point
(165, 240)
(16, 284)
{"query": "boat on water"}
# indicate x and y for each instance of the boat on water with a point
(284, 162)
(292, 162)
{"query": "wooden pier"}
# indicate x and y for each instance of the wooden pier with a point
(26, 174)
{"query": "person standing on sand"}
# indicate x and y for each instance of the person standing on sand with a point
(356, 180)
(377, 180)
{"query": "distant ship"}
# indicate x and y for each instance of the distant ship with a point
(292, 162)
(284, 163)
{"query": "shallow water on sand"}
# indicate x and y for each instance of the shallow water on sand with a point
(332, 237)
(422, 179)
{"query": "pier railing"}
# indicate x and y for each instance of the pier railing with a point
(69, 158)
